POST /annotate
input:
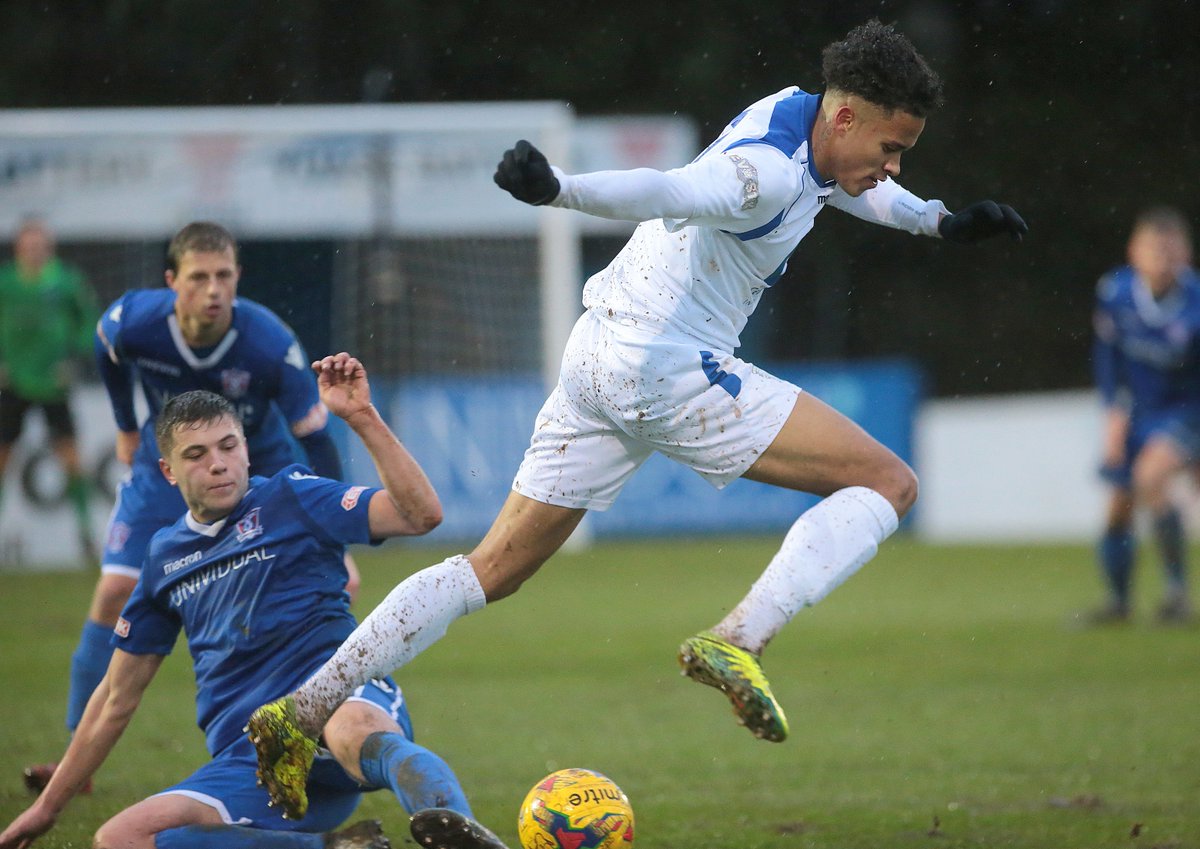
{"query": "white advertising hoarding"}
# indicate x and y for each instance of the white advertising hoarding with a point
(301, 171)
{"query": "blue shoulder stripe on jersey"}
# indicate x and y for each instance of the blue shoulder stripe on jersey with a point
(790, 127)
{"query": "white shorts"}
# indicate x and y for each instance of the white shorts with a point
(622, 396)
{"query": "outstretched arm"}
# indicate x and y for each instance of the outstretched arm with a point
(892, 205)
(739, 189)
(108, 712)
(982, 220)
(408, 505)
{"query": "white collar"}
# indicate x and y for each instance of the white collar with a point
(204, 530)
(189, 356)
(1156, 312)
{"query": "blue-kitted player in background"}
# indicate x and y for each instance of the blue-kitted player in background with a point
(1147, 367)
(253, 574)
(194, 334)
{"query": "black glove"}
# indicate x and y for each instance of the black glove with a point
(525, 174)
(982, 220)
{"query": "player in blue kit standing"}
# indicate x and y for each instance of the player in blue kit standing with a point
(650, 368)
(194, 334)
(1147, 365)
(253, 573)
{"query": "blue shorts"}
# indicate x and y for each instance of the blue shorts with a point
(1181, 428)
(145, 504)
(227, 783)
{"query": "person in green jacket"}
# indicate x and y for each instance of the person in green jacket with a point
(47, 317)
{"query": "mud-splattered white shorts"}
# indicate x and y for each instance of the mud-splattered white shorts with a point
(621, 396)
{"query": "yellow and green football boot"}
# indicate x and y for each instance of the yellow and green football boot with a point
(285, 755)
(710, 660)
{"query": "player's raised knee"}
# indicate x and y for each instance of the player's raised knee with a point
(112, 835)
(899, 486)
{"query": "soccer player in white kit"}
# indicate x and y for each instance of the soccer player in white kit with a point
(650, 367)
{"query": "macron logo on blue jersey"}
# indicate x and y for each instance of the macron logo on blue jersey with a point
(182, 562)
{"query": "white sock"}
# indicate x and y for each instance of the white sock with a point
(826, 545)
(414, 616)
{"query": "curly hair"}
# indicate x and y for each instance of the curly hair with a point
(880, 65)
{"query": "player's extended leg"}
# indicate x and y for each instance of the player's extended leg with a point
(411, 618)
(1153, 469)
(175, 821)
(867, 489)
(373, 749)
(134, 521)
(89, 661)
(91, 657)
(1116, 553)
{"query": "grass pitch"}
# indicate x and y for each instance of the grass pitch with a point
(943, 698)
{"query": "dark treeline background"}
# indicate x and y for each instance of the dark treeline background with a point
(1078, 114)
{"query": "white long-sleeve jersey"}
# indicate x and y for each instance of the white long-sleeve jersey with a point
(718, 232)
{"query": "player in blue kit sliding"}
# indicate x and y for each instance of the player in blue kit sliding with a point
(194, 334)
(650, 368)
(253, 574)
(1147, 364)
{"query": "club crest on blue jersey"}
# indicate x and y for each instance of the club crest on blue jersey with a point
(118, 535)
(350, 499)
(235, 382)
(250, 526)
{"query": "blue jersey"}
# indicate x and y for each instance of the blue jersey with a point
(259, 365)
(259, 594)
(1147, 351)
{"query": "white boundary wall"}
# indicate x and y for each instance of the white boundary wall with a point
(1015, 469)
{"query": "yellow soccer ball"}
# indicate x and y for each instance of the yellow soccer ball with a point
(575, 809)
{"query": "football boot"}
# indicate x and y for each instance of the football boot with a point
(710, 660)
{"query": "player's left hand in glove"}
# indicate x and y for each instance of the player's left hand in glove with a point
(983, 220)
(525, 174)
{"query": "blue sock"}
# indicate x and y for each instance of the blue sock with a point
(235, 837)
(88, 665)
(1116, 557)
(1168, 530)
(419, 778)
